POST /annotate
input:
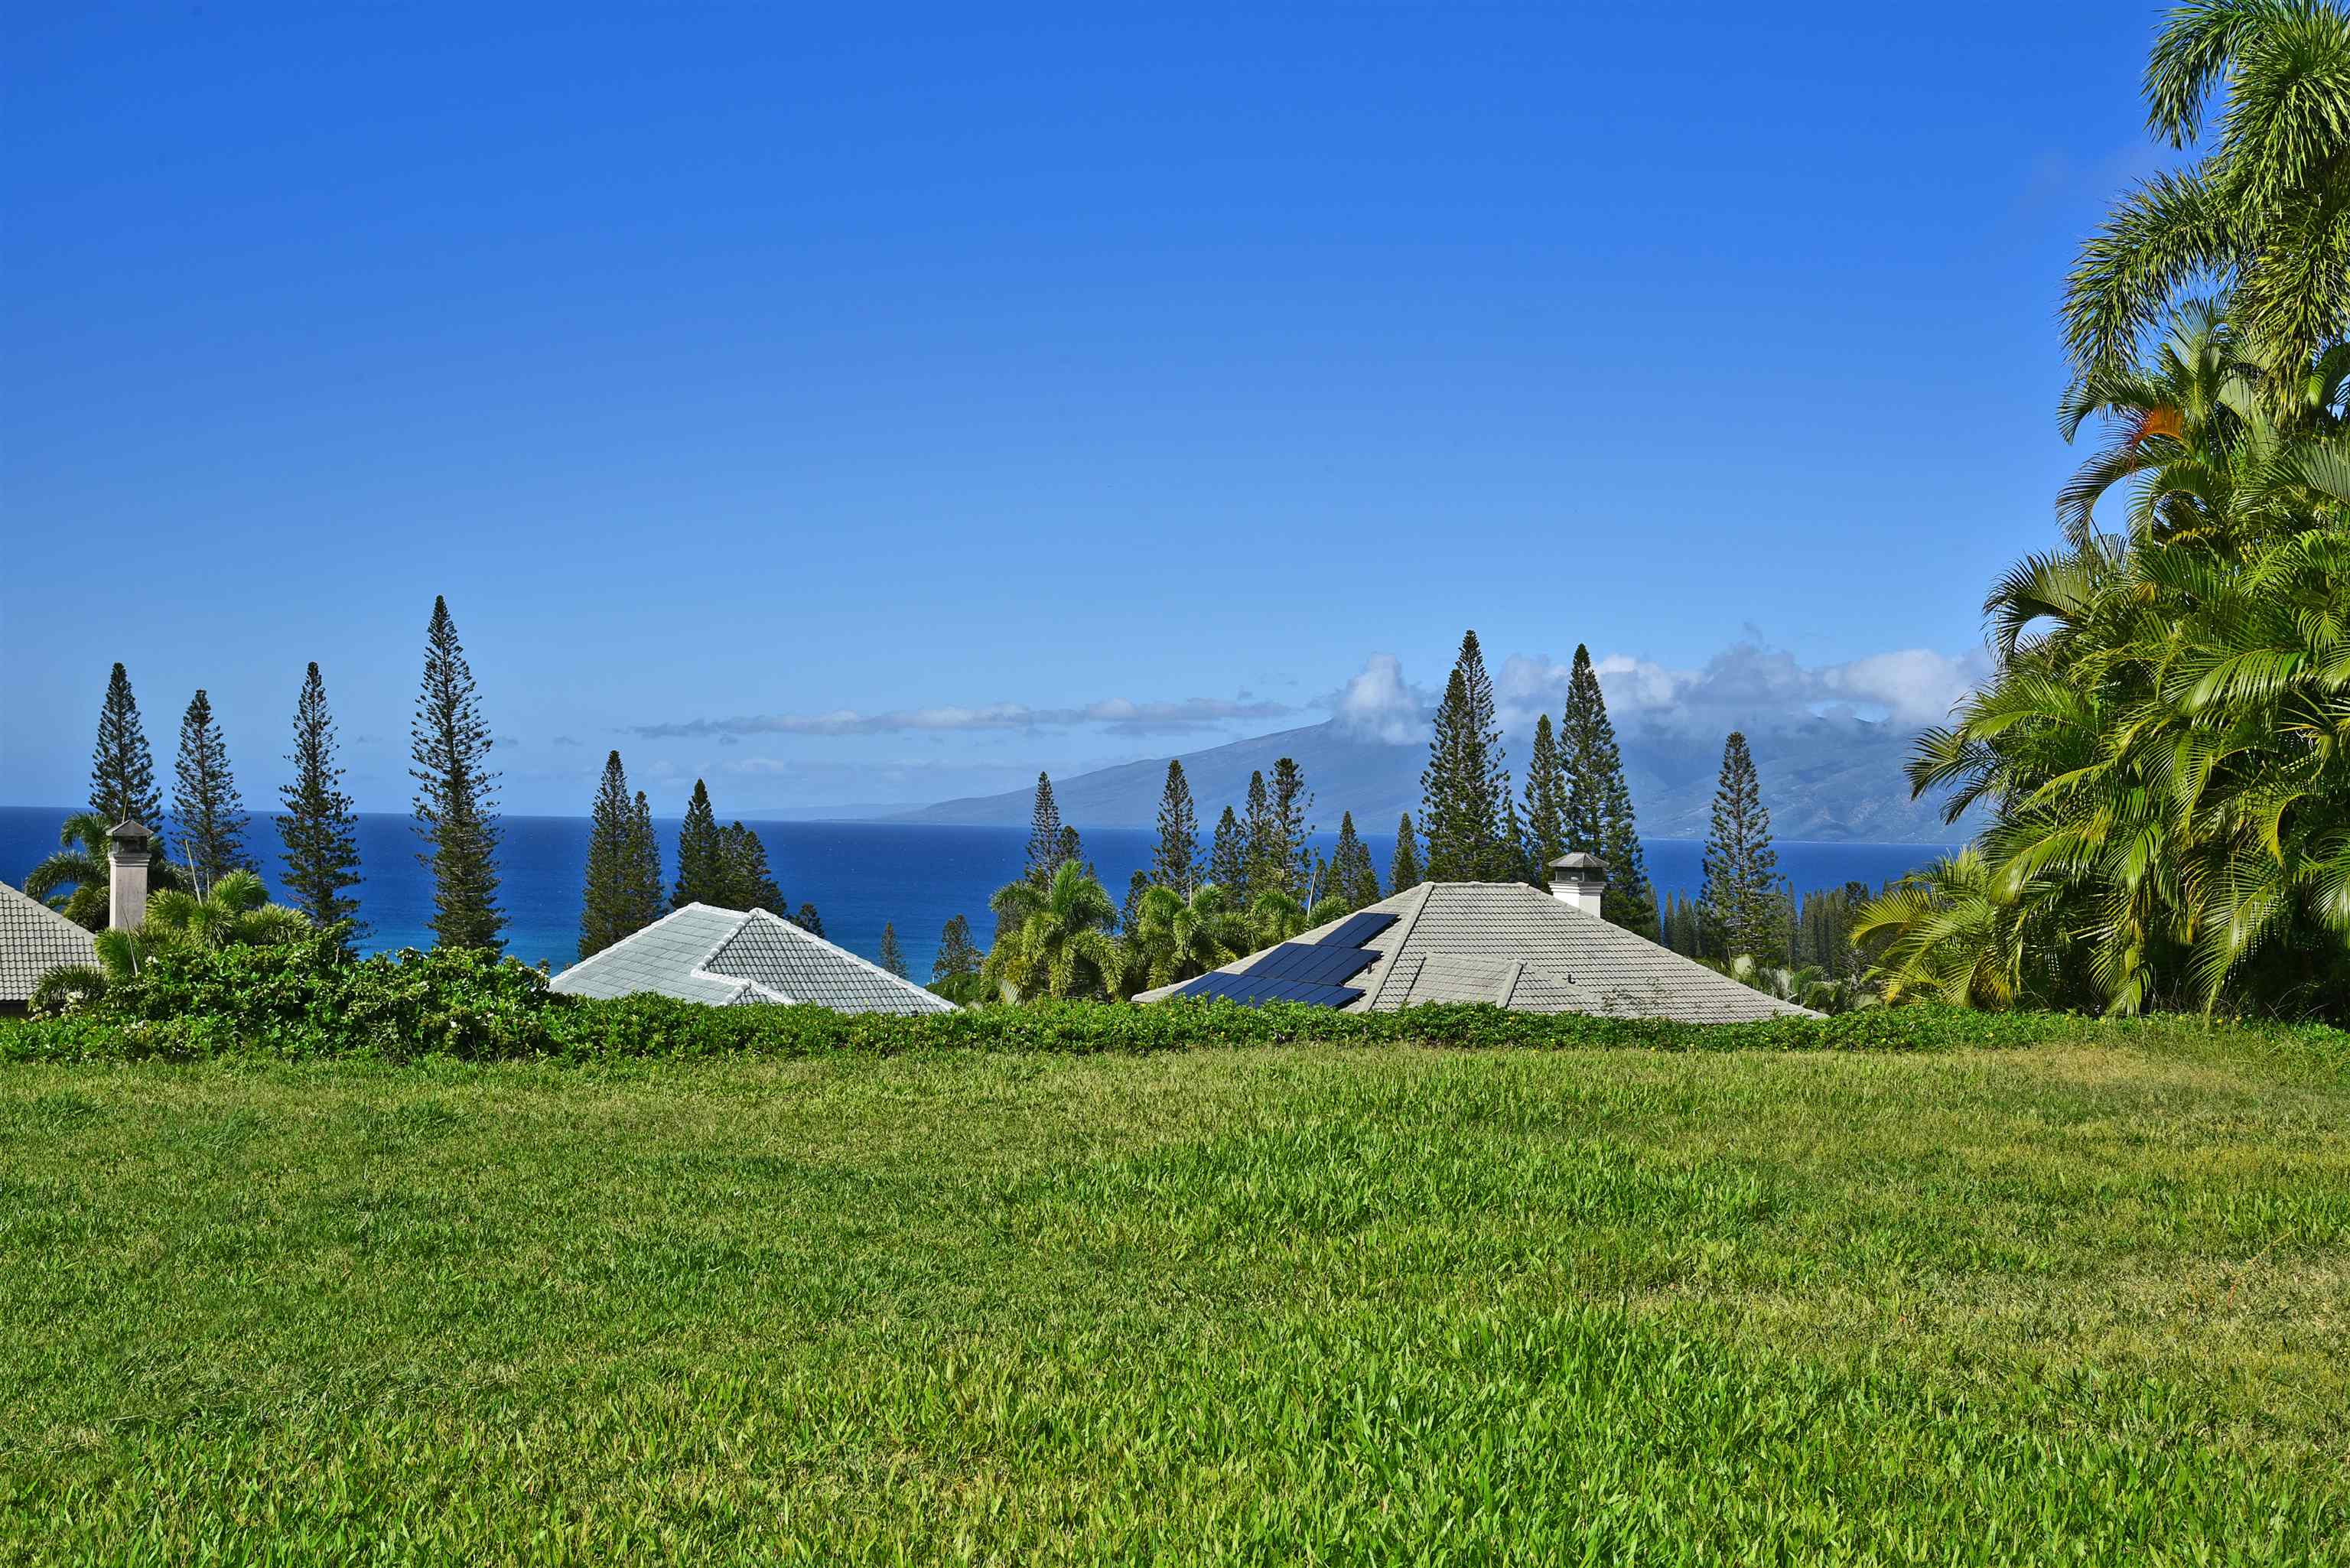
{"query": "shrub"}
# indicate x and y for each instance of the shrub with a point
(309, 998)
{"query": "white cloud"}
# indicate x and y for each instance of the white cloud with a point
(1117, 714)
(1748, 684)
(1914, 686)
(1380, 704)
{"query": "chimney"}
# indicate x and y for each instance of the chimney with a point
(127, 855)
(1578, 879)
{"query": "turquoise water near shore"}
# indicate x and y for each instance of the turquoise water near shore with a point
(860, 875)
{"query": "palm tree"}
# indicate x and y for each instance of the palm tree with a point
(236, 913)
(2266, 208)
(1275, 916)
(73, 880)
(1946, 936)
(1053, 939)
(1176, 939)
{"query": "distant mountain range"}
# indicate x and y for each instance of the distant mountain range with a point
(1831, 780)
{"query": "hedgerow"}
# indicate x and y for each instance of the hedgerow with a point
(309, 999)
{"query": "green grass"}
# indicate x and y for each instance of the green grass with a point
(2083, 1302)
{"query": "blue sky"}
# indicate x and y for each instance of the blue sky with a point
(1015, 390)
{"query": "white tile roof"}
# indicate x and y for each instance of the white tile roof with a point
(729, 957)
(1520, 948)
(35, 940)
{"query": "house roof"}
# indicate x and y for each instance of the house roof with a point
(728, 957)
(35, 940)
(1520, 948)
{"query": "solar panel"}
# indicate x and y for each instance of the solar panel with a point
(1313, 962)
(1357, 929)
(1255, 990)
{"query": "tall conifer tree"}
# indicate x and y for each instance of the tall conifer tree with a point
(1044, 834)
(1352, 876)
(1292, 835)
(1175, 864)
(957, 954)
(1267, 853)
(893, 956)
(1546, 800)
(750, 884)
(809, 920)
(207, 812)
(319, 825)
(648, 891)
(1464, 788)
(448, 752)
(607, 900)
(1598, 817)
(1741, 869)
(703, 873)
(1131, 910)
(1228, 860)
(1403, 869)
(121, 768)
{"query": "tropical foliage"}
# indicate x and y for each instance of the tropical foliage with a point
(73, 881)
(233, 912)
(1175, 939)
(1053, 939)
(2164, 745)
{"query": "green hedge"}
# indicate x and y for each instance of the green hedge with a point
(658, 1027)
(310, 999)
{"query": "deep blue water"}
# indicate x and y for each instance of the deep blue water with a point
(857, 874)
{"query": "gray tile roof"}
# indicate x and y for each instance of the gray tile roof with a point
(35, 940)
(730, 957)
(1519, 947)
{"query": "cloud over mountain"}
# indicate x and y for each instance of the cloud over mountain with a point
(1117, 715)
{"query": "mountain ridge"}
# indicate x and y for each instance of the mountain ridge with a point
(1825, 779)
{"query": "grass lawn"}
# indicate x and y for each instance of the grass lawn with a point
(2086, 1302)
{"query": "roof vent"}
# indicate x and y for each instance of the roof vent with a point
(1579, 879)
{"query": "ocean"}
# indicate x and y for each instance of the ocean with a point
(859, 875)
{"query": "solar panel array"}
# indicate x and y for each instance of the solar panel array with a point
(1311, 963)
(1308, 972)
(1357, 929)
(1255, 990)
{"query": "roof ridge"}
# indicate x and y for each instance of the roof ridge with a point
(803, 933)
(600, 953)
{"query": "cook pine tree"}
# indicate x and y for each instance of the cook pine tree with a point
(1464, 786)
(750, 882)
(207, 813)
(1228, 860)
(1741, 870)
(121, 768)
(893, 956)
(608, 908)
(1545, 801)
(1598, 802)
(647, 889)
(455, 803)
(1044, 834)
(1353, 878)
(1403, 868)
(1262, 833)
(318, 824)
(702, 872)
(1291, 834)
(957, 955)
(1129, 911)
(1175, 862)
